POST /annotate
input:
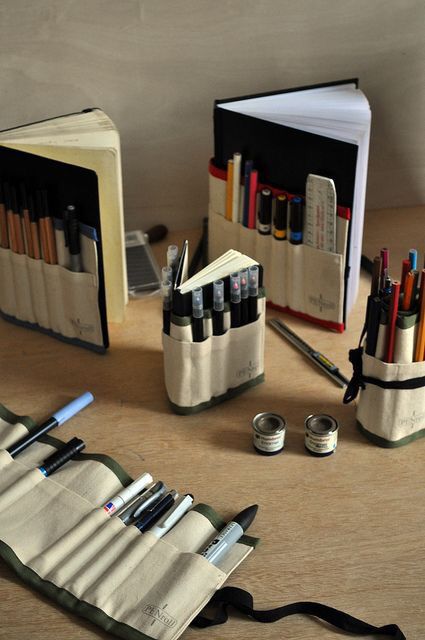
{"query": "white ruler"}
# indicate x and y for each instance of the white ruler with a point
(320, 213)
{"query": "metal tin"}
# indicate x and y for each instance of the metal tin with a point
(269, 433)
(321, 434)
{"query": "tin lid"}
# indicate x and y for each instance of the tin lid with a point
(268, 423)
(321, 424)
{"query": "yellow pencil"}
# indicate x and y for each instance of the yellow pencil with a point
(229, 191)
(420, 338)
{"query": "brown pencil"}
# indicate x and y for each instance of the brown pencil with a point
(26, 218)
(420, 338)
(35, 236)
(50, 231)
(10, 219)
(4, 236)
(42, 227)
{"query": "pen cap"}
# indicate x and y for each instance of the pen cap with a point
(59, 458)
(134, 488)
(23, 201)
(172, 255)
(266, 206)
(281, 212)
(197, 303)
(413, 257)
(6, 193)
(13, 199)
(166, 273)
(218, 295)
(235, 287)
(69, 410)
(243, 274)
(166, 292)
(253, 280)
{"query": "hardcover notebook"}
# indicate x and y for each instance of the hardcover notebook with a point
(289, 134)
(76, 160)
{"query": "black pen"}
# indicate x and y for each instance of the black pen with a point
(71, 227)
(318, 358)
(60, 457)
(218, 308)
(235, 300)
(265, 212)
(155, 512)
(281, 217)
(373, 323)
(296, 221)
(243, 273)
(166, 292)
(58, 418)
(197, 315)
(253, 274)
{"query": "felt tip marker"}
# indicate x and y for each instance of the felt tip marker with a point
(172, 516)
(253, 277)
(197, 315)
(265, 213)
(243, 273)
(218, 308)
(167, 305)
(235, 300)
(60, 457)
(280, 217)
(228, 536)
(296, 221)
(58, 418)
(126, 494)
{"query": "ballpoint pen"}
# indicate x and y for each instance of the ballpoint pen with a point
(172, 516)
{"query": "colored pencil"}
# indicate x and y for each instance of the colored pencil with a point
(392, 319)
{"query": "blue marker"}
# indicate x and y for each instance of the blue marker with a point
(413, 257)
(58, 418)
(296, 221)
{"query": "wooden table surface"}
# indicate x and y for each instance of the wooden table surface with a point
(346, 530)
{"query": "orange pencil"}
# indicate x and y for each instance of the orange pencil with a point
(420, 338)
(229, 191)
(408, 297)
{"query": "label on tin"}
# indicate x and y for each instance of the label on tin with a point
(269, 443)
(321, 443)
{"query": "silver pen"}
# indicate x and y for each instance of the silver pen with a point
(142, 502)
(172, 516)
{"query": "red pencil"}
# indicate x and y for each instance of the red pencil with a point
(252, 212)
(392, 318)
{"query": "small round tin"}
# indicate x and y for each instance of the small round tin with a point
(321, 434)
(269, 433)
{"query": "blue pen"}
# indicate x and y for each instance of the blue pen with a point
(58, 418)
(413, 257)
(249, 165)
(296, 221)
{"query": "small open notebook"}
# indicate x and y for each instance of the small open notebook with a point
(228, 263)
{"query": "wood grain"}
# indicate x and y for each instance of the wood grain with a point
(346, 530)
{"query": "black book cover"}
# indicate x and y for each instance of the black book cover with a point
(284, 156)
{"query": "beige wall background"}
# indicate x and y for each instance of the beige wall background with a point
(156, 67)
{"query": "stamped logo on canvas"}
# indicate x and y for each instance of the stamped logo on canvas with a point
(160, 614)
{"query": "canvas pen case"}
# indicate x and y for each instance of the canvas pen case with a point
(199, 375)
(51, 297)
(130, 584)
(302, 280)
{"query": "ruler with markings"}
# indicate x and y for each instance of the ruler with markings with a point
(320, 213)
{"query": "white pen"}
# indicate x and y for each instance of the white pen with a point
(172, 516)
(126, 494)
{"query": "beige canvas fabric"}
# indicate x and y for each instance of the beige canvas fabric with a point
(391, 414)
(306, 279)
(52, 296)
(155, 586)
(196, 372)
